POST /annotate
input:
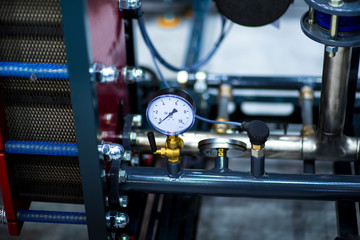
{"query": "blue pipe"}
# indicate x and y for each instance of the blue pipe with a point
(42, 148)
(41, 70)
(52, 217)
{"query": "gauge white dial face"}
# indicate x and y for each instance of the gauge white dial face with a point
(170, 114)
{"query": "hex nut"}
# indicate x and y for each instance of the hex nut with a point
(336, 3)
(122, 176)
(135, 161)
(127, 155)
(331, 49)
(123, 200)
(257, 152)
(133, 136)
(136, 120)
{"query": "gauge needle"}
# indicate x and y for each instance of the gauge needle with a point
(170, 114)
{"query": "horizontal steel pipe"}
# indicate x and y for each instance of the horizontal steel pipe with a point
(289, 147)
(276, 147)
(236, 184)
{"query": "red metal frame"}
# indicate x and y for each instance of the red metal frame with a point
(11, 206)
(108, 45)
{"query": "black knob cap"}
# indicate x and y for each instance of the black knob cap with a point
(257, 131)
(152, 142)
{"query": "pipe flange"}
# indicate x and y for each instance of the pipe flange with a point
(348, 8)
(322, 35)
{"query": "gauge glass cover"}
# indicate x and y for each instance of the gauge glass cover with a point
(170, 114)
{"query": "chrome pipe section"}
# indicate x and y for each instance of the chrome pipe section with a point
(306, 103)
(334, 92)
(330, 142)
(224, 98)
(237, 184)
(285, 147)
(276, 147)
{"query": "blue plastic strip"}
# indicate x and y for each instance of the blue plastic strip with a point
(51, 217)
(42, 148)
(42, 70)
(346, 24)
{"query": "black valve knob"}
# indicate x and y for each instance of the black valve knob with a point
(257, 131)
(152, 142)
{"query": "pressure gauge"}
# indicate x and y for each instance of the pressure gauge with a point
(171, 111)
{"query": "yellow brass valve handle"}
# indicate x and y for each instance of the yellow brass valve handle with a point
(172, 148)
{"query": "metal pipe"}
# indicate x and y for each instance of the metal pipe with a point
(306, 103)
(334, 92)
(224, 98)
(277, 146)
(288, 83)
(208, 182)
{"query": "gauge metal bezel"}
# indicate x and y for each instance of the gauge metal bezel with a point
(174, 93)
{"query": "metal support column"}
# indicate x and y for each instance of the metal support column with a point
(84, 102)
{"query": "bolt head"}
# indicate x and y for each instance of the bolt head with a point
(336, 3)
(33, 77)
(121, 220)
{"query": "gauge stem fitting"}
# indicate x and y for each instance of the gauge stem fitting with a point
(258, 133)
(172, 148)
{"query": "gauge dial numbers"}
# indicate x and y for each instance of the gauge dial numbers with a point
(170, 114)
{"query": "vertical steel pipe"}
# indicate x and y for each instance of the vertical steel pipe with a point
(334, 92)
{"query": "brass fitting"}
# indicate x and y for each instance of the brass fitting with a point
(307, 130)
(307, 92)
(257, 147)
(219, 127)
(172, 148)
(225, 91)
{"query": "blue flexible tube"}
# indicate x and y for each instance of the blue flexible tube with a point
(193, 67)
(42, 148)
(52, 217)
(42, 70)
(219, 122)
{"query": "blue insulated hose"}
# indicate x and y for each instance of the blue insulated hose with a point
(34, 70)
(51, 217)
(42, 148)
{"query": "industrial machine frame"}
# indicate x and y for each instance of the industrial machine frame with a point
(109, 139)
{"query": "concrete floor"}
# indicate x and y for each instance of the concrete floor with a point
(268, 50)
